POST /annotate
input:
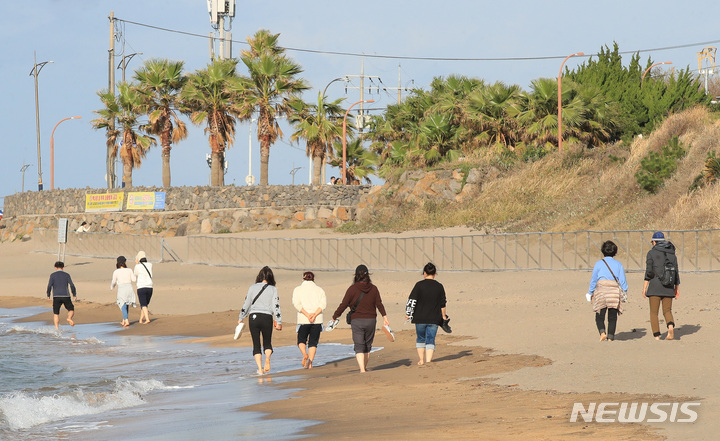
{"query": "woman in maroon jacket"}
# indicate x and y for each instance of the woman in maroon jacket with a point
(363, 298)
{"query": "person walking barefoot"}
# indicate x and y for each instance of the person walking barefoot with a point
(309, 300)
(426, 308)
(262, 305)
(58, 285)
(123, 277)
(144, 274)
(363, 299)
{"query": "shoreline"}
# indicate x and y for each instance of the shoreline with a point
(462, 405)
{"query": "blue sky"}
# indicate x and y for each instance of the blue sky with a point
(75, 35)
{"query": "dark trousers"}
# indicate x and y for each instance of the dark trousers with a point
(261, 324)
(612, 314)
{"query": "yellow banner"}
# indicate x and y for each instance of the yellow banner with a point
(104, 202)
(146, 200)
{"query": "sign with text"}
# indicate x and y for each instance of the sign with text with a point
(104, 202)
(146, 200)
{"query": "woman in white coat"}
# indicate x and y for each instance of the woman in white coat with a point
(123, 278)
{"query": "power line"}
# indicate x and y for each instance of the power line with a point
(402, 57)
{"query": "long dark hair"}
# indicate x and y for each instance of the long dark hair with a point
(361, 274)
(265, 274)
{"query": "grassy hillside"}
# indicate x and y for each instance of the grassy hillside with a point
(575, 189)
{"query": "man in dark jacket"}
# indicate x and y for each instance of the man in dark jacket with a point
(661, 259)
(58, 286)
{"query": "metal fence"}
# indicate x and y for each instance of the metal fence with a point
(577, 250)
(103, 245)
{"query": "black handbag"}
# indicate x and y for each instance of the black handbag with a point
(348, 317)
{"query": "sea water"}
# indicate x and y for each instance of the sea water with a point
(92, 383)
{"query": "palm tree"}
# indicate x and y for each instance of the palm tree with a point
(160, 82)
(126, 108)
(320, 125)
(361, 163)
(213, 96)
(488, 111)
(270, 87)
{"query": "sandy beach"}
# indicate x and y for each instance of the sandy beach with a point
(523, 351)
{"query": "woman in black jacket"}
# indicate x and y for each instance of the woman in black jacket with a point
(426, 309)
(656, 289)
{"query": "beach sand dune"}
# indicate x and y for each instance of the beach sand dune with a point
(523, 350)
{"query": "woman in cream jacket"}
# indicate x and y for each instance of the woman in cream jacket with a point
(309, 300)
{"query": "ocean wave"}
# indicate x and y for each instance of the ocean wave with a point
(17, 329)
(20, 410)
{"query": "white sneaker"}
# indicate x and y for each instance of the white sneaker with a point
(331, 325)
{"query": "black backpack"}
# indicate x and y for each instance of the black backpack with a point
(667, 278)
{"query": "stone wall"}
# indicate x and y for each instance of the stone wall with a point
(190, 210)
(193, 198)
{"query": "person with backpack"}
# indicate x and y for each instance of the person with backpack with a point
(662, 282)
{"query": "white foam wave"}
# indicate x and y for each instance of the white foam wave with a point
(18, 329)
(21, 410)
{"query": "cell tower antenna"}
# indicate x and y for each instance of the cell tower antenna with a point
(221, 14)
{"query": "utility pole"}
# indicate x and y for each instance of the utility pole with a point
(109, 158)
(399, 87)
(361, 120)
(706, 63)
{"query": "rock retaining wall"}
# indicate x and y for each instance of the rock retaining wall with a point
(190, 210)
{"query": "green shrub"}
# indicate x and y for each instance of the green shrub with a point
(656, 167)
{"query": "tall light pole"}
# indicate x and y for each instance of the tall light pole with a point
(344, 139)
(37, 67)
(250, 179)
(52, 151)
(321, 100)
(560, 97)
(648, 70)
(22, 170)
(124, 62)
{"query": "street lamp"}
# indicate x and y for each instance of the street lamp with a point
(250, 179)
(560, 98)
(321, 99)
(124, 62)
(344, 139)
(648, 70)
(328, 85)
(37, 67)
(52, 151)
